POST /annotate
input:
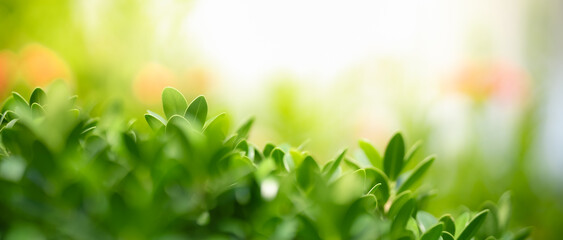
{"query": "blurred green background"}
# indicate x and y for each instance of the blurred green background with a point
(479, 82)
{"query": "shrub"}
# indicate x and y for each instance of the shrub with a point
(65, 175)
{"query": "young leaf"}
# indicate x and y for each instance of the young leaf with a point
(268, 149)
(426, 220)
(473, 226)
(403, 216)
(417, 173)
(277, 155)
(461, 222)
(394, 154)
(361, 206)
(371, 153)
(375, 176)
(177, 122)
(307, 173)
(296, 156)
(38, 96)
(8, 104)
(154, 120)
(504, 211)
(412, 151)
(412, 227)
(197, 110)
(335, 164)
(447, 236)
(74, 112)
(449, 224)
(173, 102)
(373, 189)
(245, 128)
(433, 233)
(523, 233)
(490, 227)
(350, 164)
(88, 130)
(37, 110)
(217, 127)
(72, 99)
(398, 203)
(19, 99)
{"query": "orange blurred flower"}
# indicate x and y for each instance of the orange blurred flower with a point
(150, 81)
(7, 66)
(40, 65)
(196, 80)
(486, 81)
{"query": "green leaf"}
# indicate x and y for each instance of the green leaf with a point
(349, 164)
(335, 164)
(523, 233)
(268, 149)
(243, 146)
(129, 140)
(37, 110)
(349, 186)
(417, 173)
(412, 151)
(371, 153)
(412, 227)
(197, 110)
(236, 166)
(447, 236)
(8, 104)
(504, 210)
(433, 233)
(490, 227)
(449, 224)
(394, 154)
(296, 157)
(177, 121)
(257, 157)
(398, 203)
(88, 130)
(74, 112)
(373, 189)
(173, 102)
(155, 121)
(357, 210)
(375, 176)
(426, 220)
(72, 99)
(243, 131)
(19, 99)
(38, 96)
(277, 155)
(2, 116)
(461, 222)
(307, 173)
(217, 127)
(473, 226)
(403, 216)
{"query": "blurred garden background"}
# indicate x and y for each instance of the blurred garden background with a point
(479, 82)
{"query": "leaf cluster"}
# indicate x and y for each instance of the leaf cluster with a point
(66, 175)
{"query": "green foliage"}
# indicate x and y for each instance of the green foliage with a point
(473, 226)
(66, 175)
(371, 153)
(197, 110)
(394, 154)
(173, 102)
